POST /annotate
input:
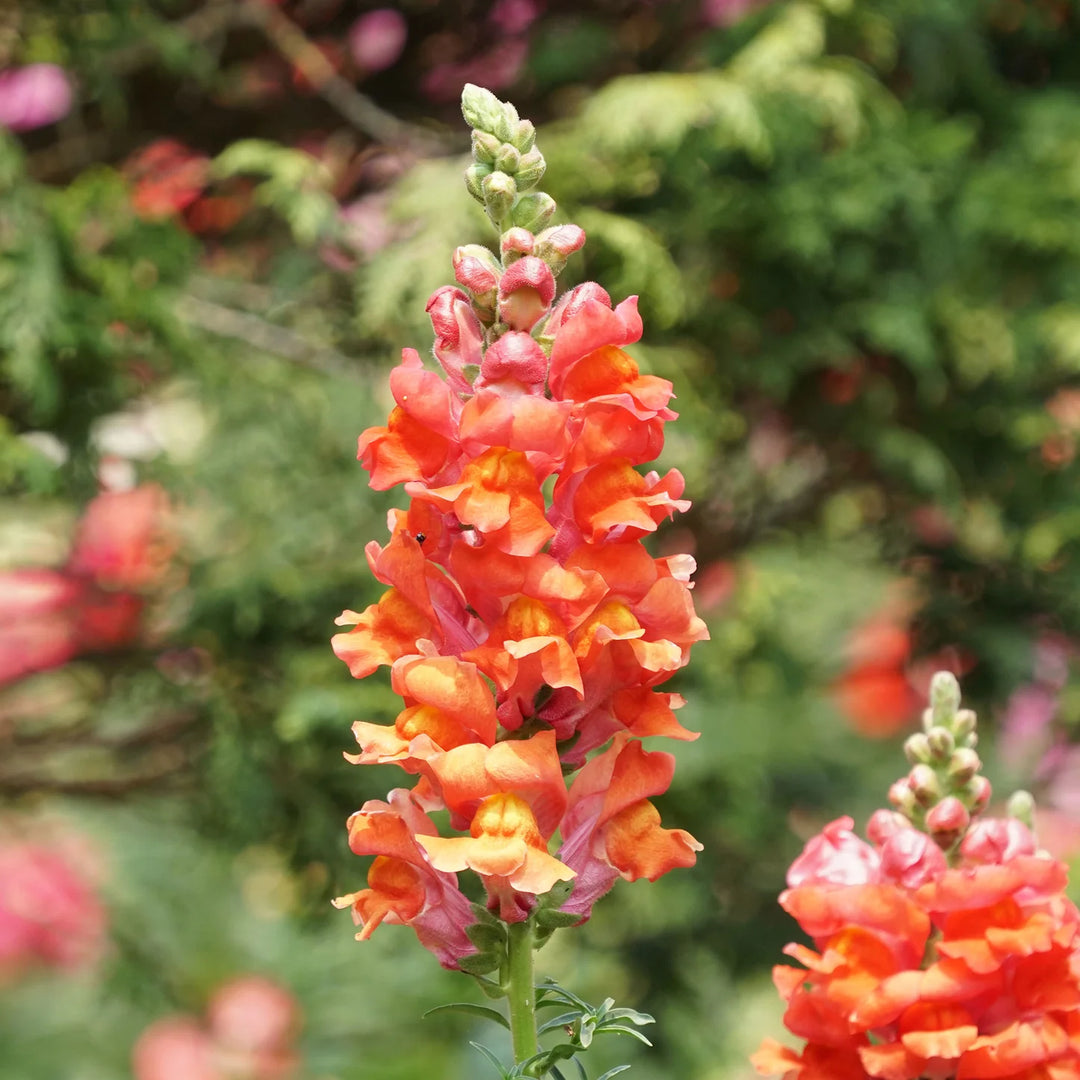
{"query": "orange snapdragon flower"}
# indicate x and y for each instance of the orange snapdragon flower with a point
(524, 624)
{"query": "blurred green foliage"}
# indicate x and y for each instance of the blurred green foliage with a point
(853, 227)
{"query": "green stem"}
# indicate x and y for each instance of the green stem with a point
(521, 993)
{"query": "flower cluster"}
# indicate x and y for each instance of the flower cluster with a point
(525, 625)
(945, 948)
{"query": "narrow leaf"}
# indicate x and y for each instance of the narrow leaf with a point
(473, 1010)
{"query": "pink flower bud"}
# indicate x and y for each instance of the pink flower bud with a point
(949, 816)
(563, 240)
(517, 241)
(924, 783)
(979, 792)
(910, 858)
(33, 96)
(884, 824)
(377, 39)
(997, 840)
(901, 796)
(514, 356)
(458, 335)
(525, 292)
(475, 268)
(835, 855)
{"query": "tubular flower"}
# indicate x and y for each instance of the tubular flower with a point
(944, 948)
(524, 623)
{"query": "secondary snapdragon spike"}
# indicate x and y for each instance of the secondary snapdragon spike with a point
(945, 948)
(526, 627)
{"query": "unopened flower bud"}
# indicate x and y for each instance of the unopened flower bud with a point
(917, 749)
(507, 160)
(977, 793)
(499, 190)
(531, 167)
(925, 784)
(902, 797)
(944, 697)
(964, 724)
(474, 180)
(883, 824)
(485, 147)
(525, 136)
(516, 242)
(1021, 805)
(534, 211)
(950, 816)
(476, 268)
(481, 108)
(964, 765)
(940, 742)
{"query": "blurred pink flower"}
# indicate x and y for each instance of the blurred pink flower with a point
(36, 630)
(377, 39)
(33, 96)
(515, 16)
(251, 1025)
(495, 69)
(123, 540)
(50, 913)
(726, 12)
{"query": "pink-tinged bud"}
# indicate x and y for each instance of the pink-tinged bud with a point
(525, 292)
(884, 824)
(998, 840)
(910, 858)
(977, 793)
(476, 268)
(515, 243)
(377, 39)
(917, 749)
(563, 240)
(837, 856)
(458, 336)
(514, 356)
(964, 765)
(902, 797)
(950, 816)
(33, 96)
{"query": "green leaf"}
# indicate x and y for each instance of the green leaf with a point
(479, 963)
(493, 1059)
(473, 1010)
(613, 1072)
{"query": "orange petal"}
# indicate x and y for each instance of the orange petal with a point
(638, 847)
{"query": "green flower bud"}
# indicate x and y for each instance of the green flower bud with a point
(964, 765)
(500, 191)
(964, 723)
(1021, 805)
(482, 109)
(525, 136)
(485, 146)
(940, 742)
(925, 784)
(534, 211)
(507, 160)
(474, 178)
(944, 696)
(917, 749)
(506, 126)
(531, 168)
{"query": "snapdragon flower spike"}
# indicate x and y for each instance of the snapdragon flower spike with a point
(943, 948)
(525, 625)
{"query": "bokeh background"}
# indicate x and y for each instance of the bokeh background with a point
(855, 229)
